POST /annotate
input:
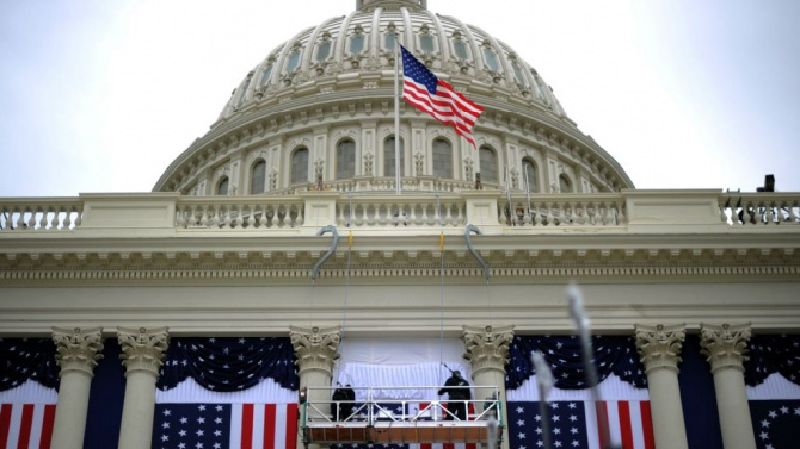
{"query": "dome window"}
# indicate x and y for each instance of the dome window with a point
(426, 39)
(388, 157)
(323, 51)
(518, 73)
(488, 158)
(442, 159)
(564, 184)
(538, 85)
(265, 76)
(390, 37)
(345, 159)
(294, 61)
(491, 58)
(258, 177)
(357, 44)
(300, 166)
(529, 170)
(222, 186)
(460, 48)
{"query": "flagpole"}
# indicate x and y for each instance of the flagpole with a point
(397, 113)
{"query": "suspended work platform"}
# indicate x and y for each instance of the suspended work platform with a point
(372, 419)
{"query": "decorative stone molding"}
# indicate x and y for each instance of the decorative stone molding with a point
(316, 349)
(487, 348)
(78, 349)
(143, 348)
(725, 345)
(660, 346)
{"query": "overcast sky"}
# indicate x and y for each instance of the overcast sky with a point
(100, 96)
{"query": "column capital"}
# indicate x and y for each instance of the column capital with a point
(142, 348)
(725, 345)
(487, 347)
(660, 346)
(78, 349)
(316, 348)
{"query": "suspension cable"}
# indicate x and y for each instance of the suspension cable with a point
(441, 289)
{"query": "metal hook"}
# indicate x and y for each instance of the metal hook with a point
(331, 251)
(467, 230)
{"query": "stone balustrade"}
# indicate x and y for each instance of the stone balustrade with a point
(40, 214)
(493, 210)
(759, 209)
(567, 210)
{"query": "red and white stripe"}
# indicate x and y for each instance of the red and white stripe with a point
(447, 106)
(263, 426)
(26, 426)
(629, 423)
(471, 413)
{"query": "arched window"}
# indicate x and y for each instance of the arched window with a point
(518, 73)
(426, 43)
(388, 157)
(461, 49)
(442, 159)
(300, 166)
(294, 61)
(356, 44)
(222, 186)
(389, 40)
(488, 159)
(491, 58)
(529, 174)
(345, 159)
(564, 184)
(265, 76)
(323, 50)
(258, 177)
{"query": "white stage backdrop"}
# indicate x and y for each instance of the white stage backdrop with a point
(407, 362)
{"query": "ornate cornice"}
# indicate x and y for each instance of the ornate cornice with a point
(316, 348)
(143, 348)
(725, 345)
(487, 347)
(78, 349)
(660, 346)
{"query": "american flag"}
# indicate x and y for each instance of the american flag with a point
(438, 98)
(775, 423)
(26, 426)
(573, 424)
(225, 426)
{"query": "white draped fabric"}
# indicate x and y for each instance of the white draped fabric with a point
(611, 389)
(774, 387)
(190, 392)
(30, 392)
(407, 362)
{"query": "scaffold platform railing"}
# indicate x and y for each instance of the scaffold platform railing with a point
(420, 417)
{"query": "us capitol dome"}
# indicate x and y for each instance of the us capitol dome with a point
(317, 114)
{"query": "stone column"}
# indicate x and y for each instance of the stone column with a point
(660, 348)
(316, 349)
(725, 347)
(487, 350)
(143, 350)
(78, 353)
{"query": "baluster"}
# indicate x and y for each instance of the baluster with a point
(340, 215)
(723, 217)
(448, 219)
(180, 218)
(20, 217)
(501, 213)
(784, 207)
(770, 213)
(54, 221)
(204, 216)
(217, 220)
(413, 217)
(78, 216)
(382, 219)
(792, 215)
(300, 218)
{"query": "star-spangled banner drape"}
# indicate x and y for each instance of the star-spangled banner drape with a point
(438, 98)
(227, 364)
(225, 426)
(612, 354)
(573, 424)
(775, 423)
(768, 354)
(22, 359)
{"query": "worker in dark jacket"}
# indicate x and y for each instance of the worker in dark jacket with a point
(457, 390)
(344, 409)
